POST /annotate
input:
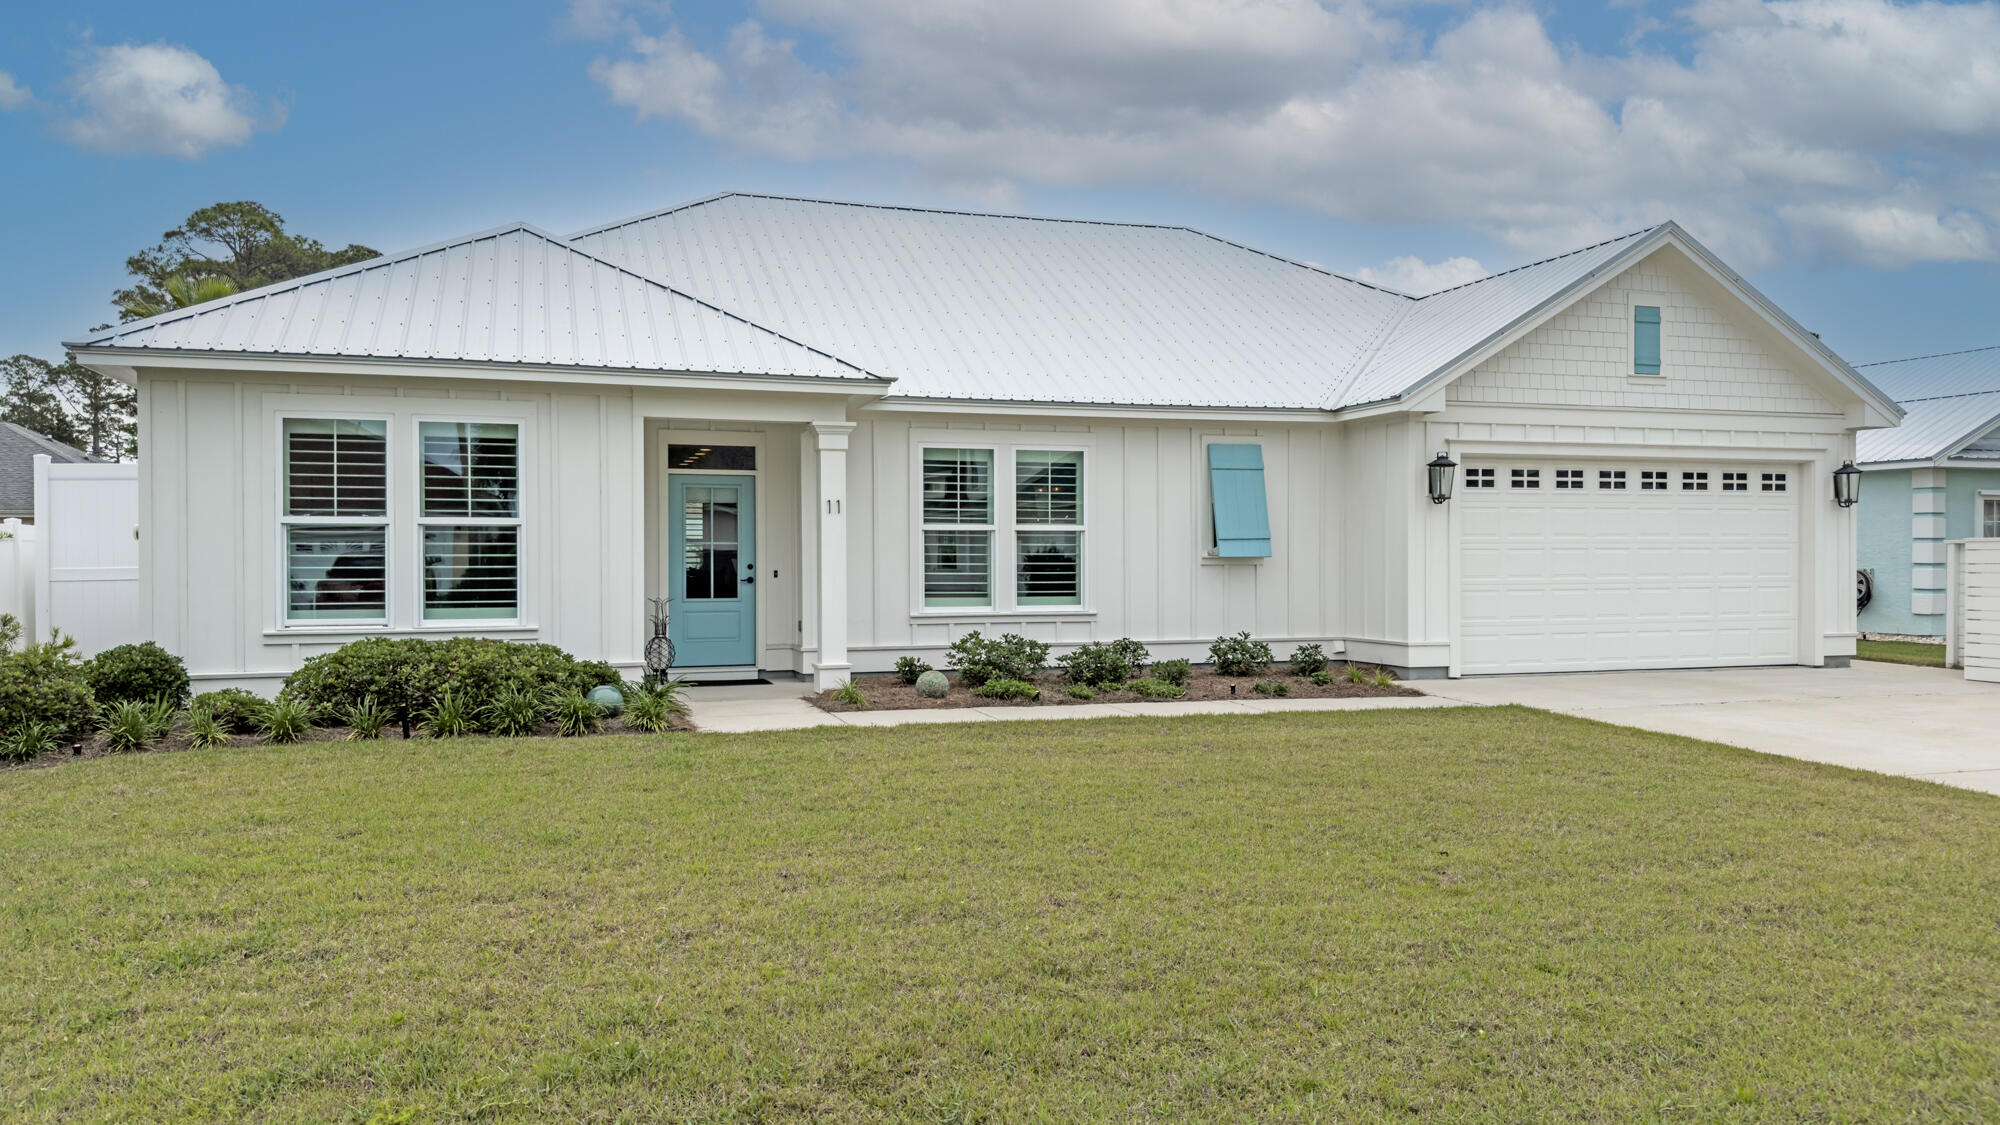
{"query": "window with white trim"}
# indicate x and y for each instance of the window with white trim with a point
(334, 517)
(1989, 517)
(1479, 478)
(958, 527)
(1736, 482)
(1048, 527)
(469, 520)
(1694, 482)
(1611, 478)
(1651, 480)
(1569, 478)
(1774, 482)
(1525, 478)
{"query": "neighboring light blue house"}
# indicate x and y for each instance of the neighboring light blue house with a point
(1933, 479)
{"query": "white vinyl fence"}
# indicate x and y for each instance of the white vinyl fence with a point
(1972, 608)
(77, 567)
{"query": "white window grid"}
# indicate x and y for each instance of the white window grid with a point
(1525, 478)
(1479, 478)
(1653, 480)
(1774, 482)
(1003, 528)
(1694, 481)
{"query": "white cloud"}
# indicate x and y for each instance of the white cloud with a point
(13, 95)
(158, 99)
(1411, 274)
(1852, 129)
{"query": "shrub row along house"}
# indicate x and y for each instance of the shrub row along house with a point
(1933, 479)
(830, 435)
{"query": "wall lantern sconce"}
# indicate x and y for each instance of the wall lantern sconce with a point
(1846, 485)
(1443, 471)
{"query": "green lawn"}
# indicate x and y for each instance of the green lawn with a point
(1465, 915)
(1900, 652)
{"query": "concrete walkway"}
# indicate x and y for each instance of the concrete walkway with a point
(1892, 718)
(748, 707)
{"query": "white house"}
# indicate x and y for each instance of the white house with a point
(834, 434)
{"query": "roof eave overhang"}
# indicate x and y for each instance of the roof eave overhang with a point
(1875, 409)
(1164, 412)
(124, 364)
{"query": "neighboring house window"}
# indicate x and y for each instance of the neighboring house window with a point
(958, 527)
(336, 519)
(470, 520)
(1238, 511)
(1989, 517)
(1645, 339)
(1048, 522)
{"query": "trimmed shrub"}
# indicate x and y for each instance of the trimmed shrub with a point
(1322, 677)
(1308, 660)
(1239, 655)
(47, 684)
(1111, 662)
(1080, 691)
(137, 673)
(406, 675)
(1175, 672)
(908, 668)
(1012, 657)
(1007, 689)
(239, 710)
(1271, 687)
(1156, 689)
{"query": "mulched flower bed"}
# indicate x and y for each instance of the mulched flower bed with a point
(886, 693)
(95, 747)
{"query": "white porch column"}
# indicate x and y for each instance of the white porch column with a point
(832, 667)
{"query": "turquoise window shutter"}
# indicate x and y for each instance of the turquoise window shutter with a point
(1646, 340)
(1236, 493)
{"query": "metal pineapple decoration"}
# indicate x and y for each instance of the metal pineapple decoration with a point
(659, 646)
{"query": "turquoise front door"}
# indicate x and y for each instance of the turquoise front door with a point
(712, 570)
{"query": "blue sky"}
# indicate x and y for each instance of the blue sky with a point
(1840, 152)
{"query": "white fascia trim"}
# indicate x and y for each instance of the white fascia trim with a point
(134, 358)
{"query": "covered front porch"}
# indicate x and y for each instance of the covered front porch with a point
(745, 544)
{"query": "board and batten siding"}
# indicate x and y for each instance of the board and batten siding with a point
(1147, 572)
(209, 516)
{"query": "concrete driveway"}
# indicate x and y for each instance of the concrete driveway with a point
(1892, 718)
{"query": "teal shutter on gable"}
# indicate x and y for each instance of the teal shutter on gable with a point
(1236, 494)
(1645, 340)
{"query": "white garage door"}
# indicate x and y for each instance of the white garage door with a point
(1577, 566)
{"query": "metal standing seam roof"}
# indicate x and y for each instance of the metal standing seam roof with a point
(512, 295)
(1950, 400)
(963, 305)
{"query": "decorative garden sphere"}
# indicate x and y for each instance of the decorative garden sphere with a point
(932, 685)
(609, 699)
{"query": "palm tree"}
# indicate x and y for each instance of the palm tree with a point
(182, 292)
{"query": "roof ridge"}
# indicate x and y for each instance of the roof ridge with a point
(384, 261)
(1933, 355)
(664, 211)
(1543, 261)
